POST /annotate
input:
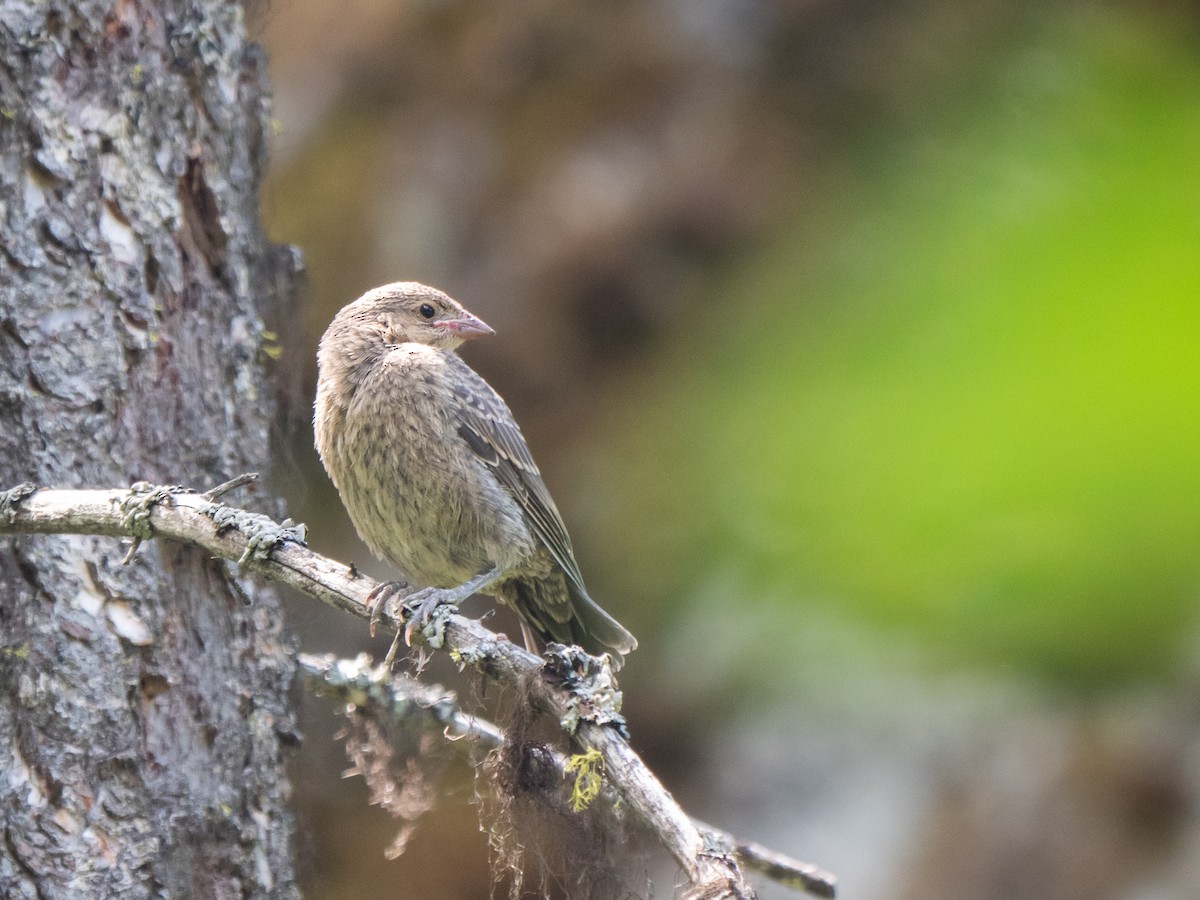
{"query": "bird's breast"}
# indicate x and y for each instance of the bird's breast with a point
(417, 494)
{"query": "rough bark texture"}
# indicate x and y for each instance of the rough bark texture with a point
(134, 279)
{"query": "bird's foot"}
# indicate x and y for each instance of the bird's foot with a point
(421, 608)
(426, 609)
(379, 597)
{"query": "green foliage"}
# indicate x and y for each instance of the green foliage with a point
(969, 407)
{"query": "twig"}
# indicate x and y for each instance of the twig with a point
(425, 708)
(231, 485)
(401, 697)
(277, 551)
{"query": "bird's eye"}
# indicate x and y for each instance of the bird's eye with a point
(426, 310)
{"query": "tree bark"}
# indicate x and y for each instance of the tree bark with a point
(143, 714)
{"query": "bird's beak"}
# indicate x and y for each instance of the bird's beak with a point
(466, 326)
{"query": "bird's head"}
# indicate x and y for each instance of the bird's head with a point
(409, 312)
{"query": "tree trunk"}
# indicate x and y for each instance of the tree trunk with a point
(143, 711)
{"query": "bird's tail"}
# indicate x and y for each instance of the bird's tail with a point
(587, 625)
(599, 628)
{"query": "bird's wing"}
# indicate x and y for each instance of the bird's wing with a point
(488, 428)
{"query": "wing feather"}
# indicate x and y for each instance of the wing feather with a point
(488, 428)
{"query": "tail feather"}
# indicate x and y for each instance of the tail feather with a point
(599, 626)
(586, 624)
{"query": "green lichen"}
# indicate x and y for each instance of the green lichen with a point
(270, 346)
(594, 696)
(263, 534)
(588, 768)
(136, 508)
(10, 499)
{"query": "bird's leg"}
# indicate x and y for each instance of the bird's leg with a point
(420, 606)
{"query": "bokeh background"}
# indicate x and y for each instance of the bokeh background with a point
(859, 344)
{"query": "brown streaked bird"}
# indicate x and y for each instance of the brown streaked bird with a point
(435, 473)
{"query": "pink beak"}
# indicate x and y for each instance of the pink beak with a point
(466, 326)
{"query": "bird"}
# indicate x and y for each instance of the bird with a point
(436, 476)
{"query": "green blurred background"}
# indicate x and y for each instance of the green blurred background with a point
(860, 346)
(970, 406)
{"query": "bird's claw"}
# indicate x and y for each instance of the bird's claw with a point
(420, 610)
(379, 597)
(421, 607)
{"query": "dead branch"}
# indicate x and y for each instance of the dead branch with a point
(580, 695)
(426, 708)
